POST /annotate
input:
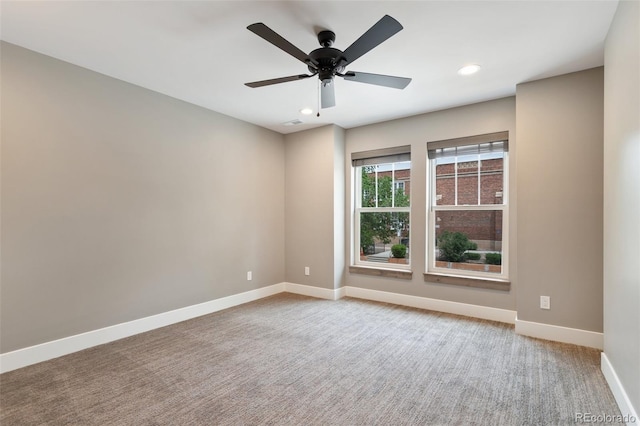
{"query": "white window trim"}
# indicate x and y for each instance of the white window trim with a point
(430, 267)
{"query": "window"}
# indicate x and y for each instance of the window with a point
(399, 185)
(468, 211)
(382, 208)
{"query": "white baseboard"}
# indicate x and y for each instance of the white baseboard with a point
(56, 348)
(49, 350)
(475, 311)
(318, 292)
(557, 333)
(624, 403)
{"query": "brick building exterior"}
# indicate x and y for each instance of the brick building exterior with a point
(490, 189)
(474, 187)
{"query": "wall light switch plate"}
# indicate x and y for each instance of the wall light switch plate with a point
(249, 276)
(306, 270)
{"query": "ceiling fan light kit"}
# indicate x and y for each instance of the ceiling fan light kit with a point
(327, 62)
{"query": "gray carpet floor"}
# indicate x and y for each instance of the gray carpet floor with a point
(294, 360)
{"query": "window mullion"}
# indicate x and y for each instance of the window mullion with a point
(455, 179)
(376, 183)
(479, 189)
(393, 185)
(384, 209)
(470, 207)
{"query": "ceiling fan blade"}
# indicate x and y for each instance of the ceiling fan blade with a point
(277, 80)
(327, 95)
(378, 79)
(381, 31)
(277, 40)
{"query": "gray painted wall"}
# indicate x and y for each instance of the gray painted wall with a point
(416, 131)
(622, 198)
(119, 203)
(314, 207)
(560, 133)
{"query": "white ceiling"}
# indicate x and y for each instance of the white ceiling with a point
(202, 53)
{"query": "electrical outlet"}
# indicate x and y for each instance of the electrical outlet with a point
(545, 302)
(306, 270)
(249, 275)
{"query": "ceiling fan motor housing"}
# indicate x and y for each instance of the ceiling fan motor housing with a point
(329, 62)
(328, 59)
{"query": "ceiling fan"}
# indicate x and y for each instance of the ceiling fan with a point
(328, 62)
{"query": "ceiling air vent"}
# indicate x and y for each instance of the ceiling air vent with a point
(292, 122)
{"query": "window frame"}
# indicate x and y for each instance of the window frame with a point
(432, 208)
(377, 157)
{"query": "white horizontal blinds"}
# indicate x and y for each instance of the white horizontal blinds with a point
(472, 145)
(381, 156)
(483, 148)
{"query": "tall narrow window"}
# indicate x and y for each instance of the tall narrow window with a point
(468, 209)
(382, 213)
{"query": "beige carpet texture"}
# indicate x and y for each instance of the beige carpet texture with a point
(295, 360)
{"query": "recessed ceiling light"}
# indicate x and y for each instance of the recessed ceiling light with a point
(306, 111)
(469, 69)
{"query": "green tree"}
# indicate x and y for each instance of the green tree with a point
(381, 226)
